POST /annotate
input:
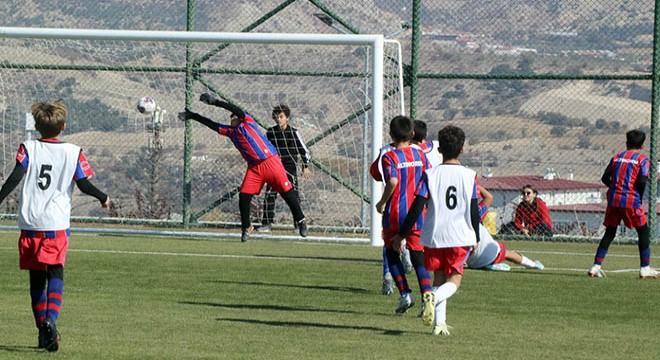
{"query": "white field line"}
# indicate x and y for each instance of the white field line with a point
(283, 258)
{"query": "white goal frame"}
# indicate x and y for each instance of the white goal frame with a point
(374, 41)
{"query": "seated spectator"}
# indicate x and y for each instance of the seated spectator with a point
(532, 216)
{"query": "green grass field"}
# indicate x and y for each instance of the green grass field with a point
(173, 298)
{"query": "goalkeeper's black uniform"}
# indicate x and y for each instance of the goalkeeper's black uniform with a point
(290, 146)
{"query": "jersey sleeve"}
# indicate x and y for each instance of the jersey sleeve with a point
(83, 169)
(389, 170)
(644, 167)
(224, 129)
(22, 157)
(303, 151)
(422, 188)
(373, 170)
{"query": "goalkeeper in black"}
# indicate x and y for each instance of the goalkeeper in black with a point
(290, 146)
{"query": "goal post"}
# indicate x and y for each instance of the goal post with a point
(91, 43)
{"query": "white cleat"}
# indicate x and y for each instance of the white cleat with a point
(440, 329)
(648, 273)
(405, 302)
(596, 271)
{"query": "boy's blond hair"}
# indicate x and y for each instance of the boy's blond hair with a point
(49, 118)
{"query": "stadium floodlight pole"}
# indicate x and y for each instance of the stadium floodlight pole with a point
(376, 41)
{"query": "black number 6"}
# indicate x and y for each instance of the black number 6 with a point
(450, 198)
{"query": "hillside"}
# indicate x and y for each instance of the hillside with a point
(513, 126)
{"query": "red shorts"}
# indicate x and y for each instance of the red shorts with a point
(270, 171)
(412, 240)
(632, 218)
(501, 256)
(449, 260)
(40, 248)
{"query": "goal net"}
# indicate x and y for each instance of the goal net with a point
(342, 91)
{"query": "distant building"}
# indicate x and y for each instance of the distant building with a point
(577, 208)
(559, 194)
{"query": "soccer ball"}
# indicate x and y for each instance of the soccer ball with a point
(146, 105)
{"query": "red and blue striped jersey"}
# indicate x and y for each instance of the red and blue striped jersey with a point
(407, 165)
(249, 140)
(623, 170)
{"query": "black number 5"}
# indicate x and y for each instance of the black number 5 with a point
(43, 174)
(450, 198)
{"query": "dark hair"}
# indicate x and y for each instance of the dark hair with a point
(635, 139)
(451, 139)
(420, 131)
(529, 186)
(49, 117)
(281, 108)
(401, 128)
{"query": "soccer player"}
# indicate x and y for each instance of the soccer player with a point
(376, 172)
(450, 229)
(264, 164)
(490, 254)
(51, 168)
(402, 169)
(429, 147)
(626, 176)
(290, 146)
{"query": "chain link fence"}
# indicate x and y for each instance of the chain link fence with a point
(545, 91)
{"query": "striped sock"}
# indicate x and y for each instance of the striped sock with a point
(645, 257)
(600, 256)
(39, 304)
(424, 279)
(38, 295)
(55, 290)
(399, 277)
(386, 265)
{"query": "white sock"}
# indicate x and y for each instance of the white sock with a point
(527, 262)
(441, 312)
(444, 291)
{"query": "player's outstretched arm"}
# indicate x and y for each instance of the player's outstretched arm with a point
(88, 188)
(210, 99)
(12, 181)
(189, 115)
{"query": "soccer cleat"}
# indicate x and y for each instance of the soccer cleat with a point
(51, 336)
(648, 273)
(404, 256)
(596, 271)
(498, 267)
(405, 302)
(245, 234)
(388, 284)
(428, 308)
(302, 228)
(265, 228)
(440, 329)
(43, 341)
(539, 265)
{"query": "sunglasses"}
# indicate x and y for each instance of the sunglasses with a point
(526, 193)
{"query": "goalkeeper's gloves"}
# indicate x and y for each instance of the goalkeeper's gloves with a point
(186, 114)
(209, 99)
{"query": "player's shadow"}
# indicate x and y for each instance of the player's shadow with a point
(267, 307)
(315, 325)
(19, 349)
(314, 287)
